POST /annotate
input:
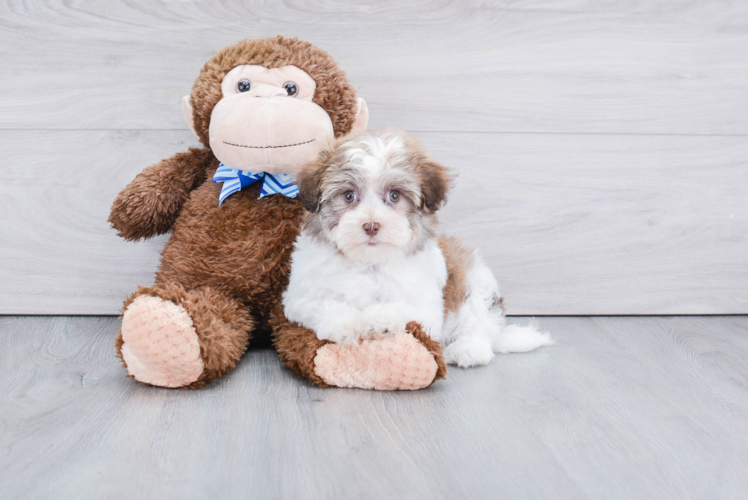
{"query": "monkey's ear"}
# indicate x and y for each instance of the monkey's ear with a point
(362, 119)
(309, 180)
(435, 183)
(187, 112)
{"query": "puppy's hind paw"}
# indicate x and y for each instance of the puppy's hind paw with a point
(469, 351)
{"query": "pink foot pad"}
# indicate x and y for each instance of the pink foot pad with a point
(396, 362)
(160, 344)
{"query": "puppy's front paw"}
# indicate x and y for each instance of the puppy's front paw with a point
(469, 351)
(342, 329)
(382, 320)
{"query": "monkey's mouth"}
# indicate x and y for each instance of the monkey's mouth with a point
(269, 147)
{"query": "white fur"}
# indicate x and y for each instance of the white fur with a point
(347, 285)
(377, 160)
(343, 301)
(478, 329)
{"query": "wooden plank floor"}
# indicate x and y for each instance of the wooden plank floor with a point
(619, 408)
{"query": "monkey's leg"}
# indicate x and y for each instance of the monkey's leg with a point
(172, 337)
(406, 361)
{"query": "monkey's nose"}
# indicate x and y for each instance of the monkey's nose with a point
(371, 228)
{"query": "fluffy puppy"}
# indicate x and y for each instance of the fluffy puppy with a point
(368, 259)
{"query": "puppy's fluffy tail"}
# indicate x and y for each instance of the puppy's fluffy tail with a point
(515, 338)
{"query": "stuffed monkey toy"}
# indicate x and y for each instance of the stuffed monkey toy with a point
(261, 109)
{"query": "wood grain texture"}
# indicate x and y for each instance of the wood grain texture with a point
(571, 224)
(600, 146)
(665, 67)
(618, 408)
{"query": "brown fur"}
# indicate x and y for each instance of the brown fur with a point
(334, 93)
(242, 248)
(223, 323)
(297, 346)
(228, 265)
(435, 179)
(434, 347)
(459, 259)
(151, 203)
(309, 179)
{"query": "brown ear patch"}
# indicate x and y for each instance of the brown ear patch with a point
(309, 180)
(435, 180)
(435, 183)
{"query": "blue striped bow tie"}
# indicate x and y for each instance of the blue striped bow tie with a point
(235, 180)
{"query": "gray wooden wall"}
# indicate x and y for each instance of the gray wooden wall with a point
(602, 147)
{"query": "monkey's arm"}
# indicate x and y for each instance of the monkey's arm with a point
(150, 204)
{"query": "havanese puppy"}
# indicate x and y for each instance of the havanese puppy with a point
(369, 260)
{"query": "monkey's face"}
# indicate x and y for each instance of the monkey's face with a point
(270, 105)
(266, 120)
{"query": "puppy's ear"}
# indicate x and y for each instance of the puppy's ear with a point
(309, 180)
(435, 183)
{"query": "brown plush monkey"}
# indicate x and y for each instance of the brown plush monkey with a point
(263, 107)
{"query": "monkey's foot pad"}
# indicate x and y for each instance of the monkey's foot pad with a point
(396, 362)
(160, 343)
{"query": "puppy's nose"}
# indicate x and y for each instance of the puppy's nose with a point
(371, 228)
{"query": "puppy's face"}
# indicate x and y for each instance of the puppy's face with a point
(373, 197)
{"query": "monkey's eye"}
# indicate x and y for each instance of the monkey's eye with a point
(291, 88)
(243, 85)
(394, 196)
(349, 196)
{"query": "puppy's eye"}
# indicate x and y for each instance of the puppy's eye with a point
(394, 196)
(243, 85)
(349, 196)
(291, 88)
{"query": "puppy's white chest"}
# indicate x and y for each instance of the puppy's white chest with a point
(409, 290)
(326, 288)
(380, 287)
